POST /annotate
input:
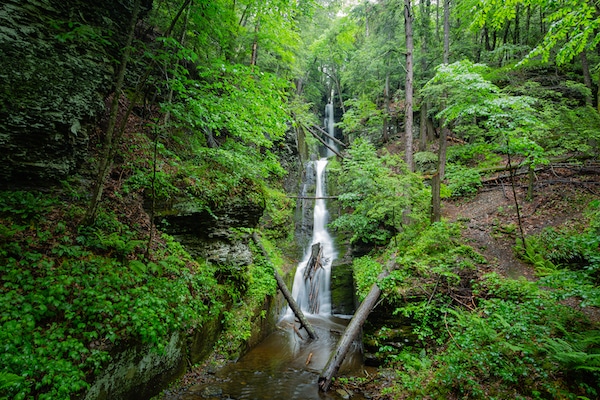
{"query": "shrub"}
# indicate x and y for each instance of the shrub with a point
(462, 181)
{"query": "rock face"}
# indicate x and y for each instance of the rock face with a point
(55, 71)
(211, 235)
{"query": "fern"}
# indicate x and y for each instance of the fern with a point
(577, 351)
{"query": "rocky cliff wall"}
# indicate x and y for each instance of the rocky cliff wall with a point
(56, 70)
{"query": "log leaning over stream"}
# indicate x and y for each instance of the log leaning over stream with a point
(329, 136)
(286, 293)
(352, 330)
(324, 143)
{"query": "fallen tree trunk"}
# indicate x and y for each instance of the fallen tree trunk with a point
(310, 277)
(286, 293)
(352, 330)
(324, 143)
(329, 136)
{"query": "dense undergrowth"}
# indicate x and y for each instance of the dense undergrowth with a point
(72, 294)
(476, 334)
(473, 333)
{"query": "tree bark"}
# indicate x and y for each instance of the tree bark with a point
(254, 55)
(352, 330)
(587, 77)
(329, 136)
(408, 108)
(386, 117)
(436, 198)
(423, 128)
(286, 293)
(310, 272)
(436, 201)
(446, 31)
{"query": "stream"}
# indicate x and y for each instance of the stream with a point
(284, 366)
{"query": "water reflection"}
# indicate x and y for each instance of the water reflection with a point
(284, 366)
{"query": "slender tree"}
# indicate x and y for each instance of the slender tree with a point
(436, 199)
(112, 135)
(408, 105)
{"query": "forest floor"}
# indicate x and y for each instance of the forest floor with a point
(491, 221)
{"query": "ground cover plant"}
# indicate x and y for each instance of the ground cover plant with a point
(70, 294)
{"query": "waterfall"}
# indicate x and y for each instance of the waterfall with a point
(329, 122)
(302, 289)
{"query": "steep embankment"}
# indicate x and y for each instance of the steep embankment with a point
(115, 309)
(56, 72)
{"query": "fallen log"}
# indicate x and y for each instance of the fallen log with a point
(330, 137)
(286, 293)
(324, 143)
(310, 272)
(352, 330)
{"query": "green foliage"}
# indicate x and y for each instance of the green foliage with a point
(429, 259)
(474, 155)
(277, 220)
(380, 194)
(362, 119)
(473, 104)
(570, 129)
(577, 351)
(232, 100)
(425, 161)
(259, 283)
(22, 206)
(462, 181)
(568, 260)
(500, 349)
(365, 271)
(69, 295)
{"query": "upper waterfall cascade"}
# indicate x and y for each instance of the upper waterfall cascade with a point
(329, 123)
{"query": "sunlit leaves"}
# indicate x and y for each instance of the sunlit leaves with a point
(233, 101)
(471, 96)
(573, 24)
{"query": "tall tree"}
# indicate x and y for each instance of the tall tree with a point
(436, 199)
(408, 105)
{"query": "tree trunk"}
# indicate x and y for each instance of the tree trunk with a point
(338, 141)
(109, 142)
(408, 108)
(527, 24)
(324, 143)
(447, 31)
(587, 77)
(351, 332)
(423, 128)
(516, 38)
(436, 202)
(255, 44)
(386, 117)
(310, 272)
(286, 293)
(436, 198)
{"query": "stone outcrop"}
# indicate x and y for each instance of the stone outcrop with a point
(211, 234)
(56, 70)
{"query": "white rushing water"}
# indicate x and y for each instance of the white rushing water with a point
(329, 123)
(320, 235)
